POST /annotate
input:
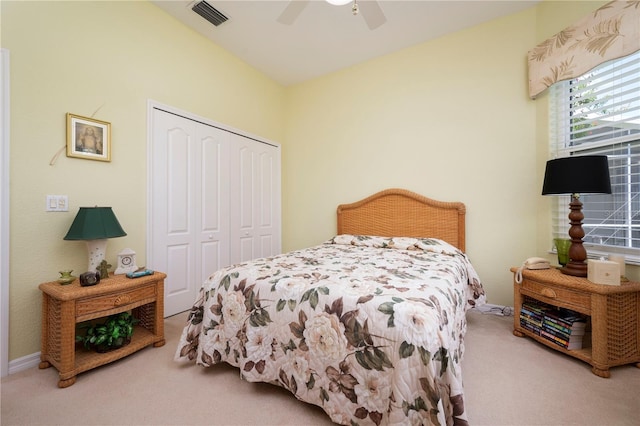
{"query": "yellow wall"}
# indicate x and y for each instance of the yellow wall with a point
(113, 57)
(449, 119)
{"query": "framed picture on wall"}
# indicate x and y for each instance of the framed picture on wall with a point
(88, 138)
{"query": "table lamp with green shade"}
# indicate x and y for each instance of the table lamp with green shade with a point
(95, 225)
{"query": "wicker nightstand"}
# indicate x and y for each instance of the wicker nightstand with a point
(63, 306)
(614, 312)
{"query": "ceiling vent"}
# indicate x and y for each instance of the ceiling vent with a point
(209, 13)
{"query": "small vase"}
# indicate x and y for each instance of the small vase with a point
(562, 247)
(66, 277)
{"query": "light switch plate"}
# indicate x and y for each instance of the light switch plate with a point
(57, 203)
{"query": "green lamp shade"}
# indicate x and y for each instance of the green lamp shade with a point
(95, 223)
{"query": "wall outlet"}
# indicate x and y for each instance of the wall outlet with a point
(57, 203)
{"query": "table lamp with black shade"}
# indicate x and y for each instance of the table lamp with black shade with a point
(94, 225)
(588, 174)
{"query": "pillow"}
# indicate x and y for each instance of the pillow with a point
(433, 245)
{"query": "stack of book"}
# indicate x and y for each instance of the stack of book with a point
(563, 327)
(532, 316)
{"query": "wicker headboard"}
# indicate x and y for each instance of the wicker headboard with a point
(402, 213)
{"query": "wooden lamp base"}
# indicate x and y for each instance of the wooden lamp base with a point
(577, 266)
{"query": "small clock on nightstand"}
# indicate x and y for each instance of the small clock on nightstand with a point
(126, 262)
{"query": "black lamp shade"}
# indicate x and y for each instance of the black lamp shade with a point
(95, 223)
(588, 174)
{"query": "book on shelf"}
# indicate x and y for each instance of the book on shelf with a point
(532, 328)
(536, 307)
(578, 328)
(532, 317)
(532, 310)
(537, 321)
(561, 326)
(566, 318)
(573, 342)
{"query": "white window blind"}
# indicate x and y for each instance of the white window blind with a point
(599, 113)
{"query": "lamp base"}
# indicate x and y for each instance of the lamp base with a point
(97, 250)
(577, 265)
(576, 269)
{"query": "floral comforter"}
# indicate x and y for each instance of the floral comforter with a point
(369, 328)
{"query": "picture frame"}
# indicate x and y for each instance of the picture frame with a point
(88, 138)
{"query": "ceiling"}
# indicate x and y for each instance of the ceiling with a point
(325, 38)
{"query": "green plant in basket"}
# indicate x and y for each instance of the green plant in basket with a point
(115, 332)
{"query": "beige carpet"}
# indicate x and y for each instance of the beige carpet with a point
(508, 381)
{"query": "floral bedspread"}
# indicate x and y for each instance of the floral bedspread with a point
(369, 328)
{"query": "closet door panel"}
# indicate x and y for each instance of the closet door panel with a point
(255, 194)
(267, 246)
(172, 195)
(189, 203)
(267, 200)
(178, 188)
(212, 169)
(213, 214)
(265, 181)
(179, 261)
(215, 201)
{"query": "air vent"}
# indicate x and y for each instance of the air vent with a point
(209, 13)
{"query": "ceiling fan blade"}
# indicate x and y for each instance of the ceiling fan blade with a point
(372, 14)
(292, 11)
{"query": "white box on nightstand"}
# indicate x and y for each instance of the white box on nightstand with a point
(603, 272)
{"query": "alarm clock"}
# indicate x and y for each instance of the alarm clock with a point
(89, 278)
(126, 262)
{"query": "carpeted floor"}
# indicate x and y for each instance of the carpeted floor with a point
(508, 381)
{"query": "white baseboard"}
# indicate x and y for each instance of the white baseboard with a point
(24, 363)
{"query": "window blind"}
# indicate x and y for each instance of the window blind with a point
(599, 113)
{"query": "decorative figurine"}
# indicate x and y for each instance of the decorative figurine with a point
(66, 277)
(103, 269)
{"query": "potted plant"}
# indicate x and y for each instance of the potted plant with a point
(112, 334)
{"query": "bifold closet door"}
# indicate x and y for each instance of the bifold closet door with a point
(255, 199)
(189, 200)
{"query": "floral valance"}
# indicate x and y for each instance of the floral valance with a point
(611, 32)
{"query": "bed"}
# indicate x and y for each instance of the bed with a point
(368, 325)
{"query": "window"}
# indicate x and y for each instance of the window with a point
(599, 113)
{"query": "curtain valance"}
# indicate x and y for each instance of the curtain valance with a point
(611, 32)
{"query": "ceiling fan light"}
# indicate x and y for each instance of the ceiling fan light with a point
(338, 2)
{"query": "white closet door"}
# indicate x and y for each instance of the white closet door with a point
(255, 199)
(190, 216)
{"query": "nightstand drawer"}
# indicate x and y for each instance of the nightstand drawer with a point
(115, 300)
(579, 301)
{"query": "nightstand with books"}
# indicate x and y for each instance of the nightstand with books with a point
(606, 317)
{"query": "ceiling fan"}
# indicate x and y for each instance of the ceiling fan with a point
(371, 11)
